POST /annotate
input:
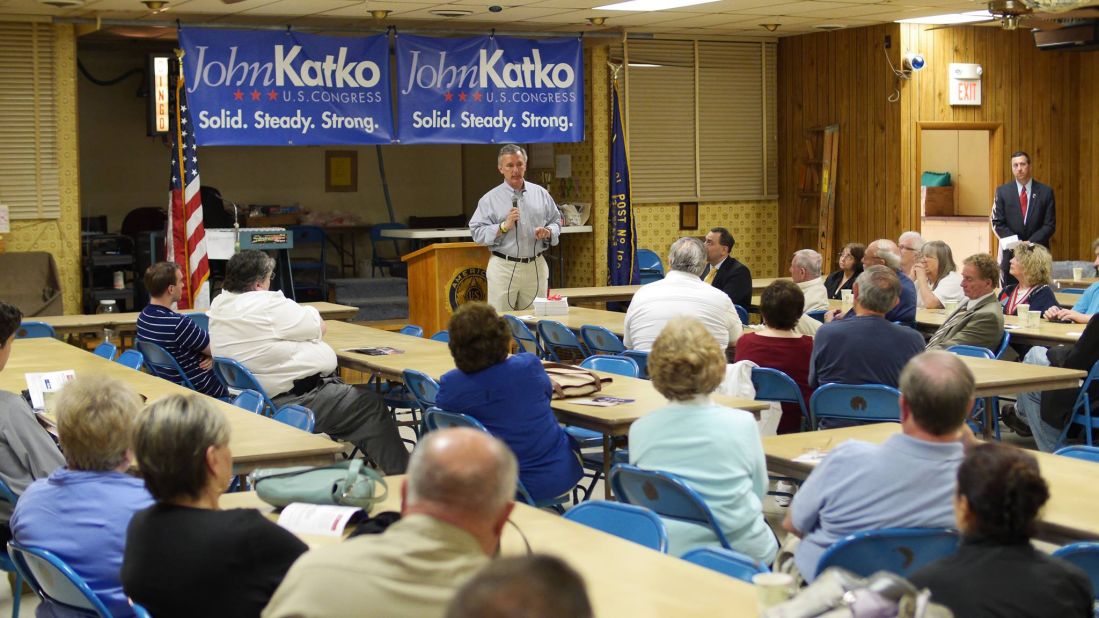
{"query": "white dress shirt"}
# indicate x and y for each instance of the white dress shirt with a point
(679, 294)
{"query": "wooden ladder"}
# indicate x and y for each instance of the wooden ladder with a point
(813, 220)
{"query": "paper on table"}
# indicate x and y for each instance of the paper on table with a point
(47, 382)
(1074, 333)
(814, 456)
(601, 402)
(323, 519)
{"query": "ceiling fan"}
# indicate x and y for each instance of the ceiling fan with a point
(1038, 14)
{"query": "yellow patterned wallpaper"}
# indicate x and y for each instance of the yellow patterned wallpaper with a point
(60, 237)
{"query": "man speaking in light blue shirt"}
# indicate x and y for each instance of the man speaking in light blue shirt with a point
(517, 221)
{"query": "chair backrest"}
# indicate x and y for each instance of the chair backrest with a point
(442, 335)
(774, 385)
(971, 350)
(200, 319)
(727, 562)
(741, 313)
(1080, 451)
(236, 376)
(649, 265)
(434, 418)
(105, 350)
(34, 330)
(601, 340)
(897, 550)
(162, 364)
(376, 238)
(627, 521)
(412, 330)
(618, 365)
(642, 360)
(523, 337)
(54, 581)
(422, 386)
(858, 402)
(131, 358)
(296, 416)
(1086, 556)
(1071, 291)
(817, 315)
(1005, 341)
(250, 400)
(1081, 408)
(557, 339)
(665, 494)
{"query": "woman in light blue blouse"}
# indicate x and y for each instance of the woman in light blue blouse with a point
(714, 449)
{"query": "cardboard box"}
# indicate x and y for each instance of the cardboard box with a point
(543, 307)
(938, 201)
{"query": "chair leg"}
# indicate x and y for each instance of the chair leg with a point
(16, 593)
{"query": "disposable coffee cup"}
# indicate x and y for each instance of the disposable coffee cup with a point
(950, 306)
(772, 588)
(1034, 319)
(847, 298)
(1022, 310)
(1077, 273)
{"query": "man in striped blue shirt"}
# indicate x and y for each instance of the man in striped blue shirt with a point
(175, 332)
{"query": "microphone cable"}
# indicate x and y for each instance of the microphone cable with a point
(513, 304)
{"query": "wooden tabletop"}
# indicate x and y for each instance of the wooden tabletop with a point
(623, 578)
(1067, 299)
(996, 377)
(609, 293)
(1045, 334)
(1075, 283)
(256, 441)
(613, 321)
(1068, 516)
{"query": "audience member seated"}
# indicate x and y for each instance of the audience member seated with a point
(454, 505)
(1045, 413)
(883, 252)
(805, 271)
(778, 346)
(980, 320)
(935, 276)
(177, 333)
(866, 348)
(184, 556)
(1031, 266)
(907, 481)
(510, 395)
(723, 271)
(81, 511)
(1000, 492)
(681, 294)
(537, 586)
(850, 267)
(714, 449)
(910, 245)
(1084, 308)
(27, 452)
(279, 341)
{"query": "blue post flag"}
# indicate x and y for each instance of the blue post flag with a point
(622, 249)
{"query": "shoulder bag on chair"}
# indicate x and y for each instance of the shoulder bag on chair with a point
(348, 483)
(573, 381)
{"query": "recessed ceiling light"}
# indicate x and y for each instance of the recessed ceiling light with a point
(949, 18)
(451, 13)
(830, 26)
(650, 5)
(770, 27)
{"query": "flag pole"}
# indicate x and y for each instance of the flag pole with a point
(182, 181)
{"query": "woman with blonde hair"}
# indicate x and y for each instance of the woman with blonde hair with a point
(1033, 267)
(714, 449)
(936, 277)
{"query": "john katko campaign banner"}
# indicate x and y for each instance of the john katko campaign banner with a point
(286, 88)
(486, 90)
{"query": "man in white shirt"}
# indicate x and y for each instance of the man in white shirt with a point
(279, 341)
(805, 271)
(980, 320)
(681, 293)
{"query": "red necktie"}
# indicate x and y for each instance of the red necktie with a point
(1023, 201)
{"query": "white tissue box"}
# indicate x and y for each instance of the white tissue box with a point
(543, 306)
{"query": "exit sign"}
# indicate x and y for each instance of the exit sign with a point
(965, 84)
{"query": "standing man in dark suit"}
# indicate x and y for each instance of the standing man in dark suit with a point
(1024, 208)
(724, 272)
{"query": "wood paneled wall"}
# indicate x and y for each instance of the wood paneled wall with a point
(1087, 128)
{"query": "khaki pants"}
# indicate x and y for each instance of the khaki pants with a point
(512, 286)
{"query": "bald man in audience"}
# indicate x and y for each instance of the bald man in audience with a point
(909, 244)
(805, 271)
(979, 321)
(537, 586)
(905, 482)
(454, 504)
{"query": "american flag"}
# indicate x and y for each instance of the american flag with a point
(186, 237)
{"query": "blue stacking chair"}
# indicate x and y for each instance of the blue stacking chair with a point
(311, 270)
(649, 265)
(296, 416)
(105, 350)
(619, 365)
(588, 439)
(741, 313)
(984, 403)
(379, 262)
(442, 335)
(200, 319)
(236, 377)
(1072, 290)
(7, 563)
(866, 403)
(666, 495)
(1004, 343)
(601, 340)
(162, 364)
(559, 342)
(54, 581)
(1081, 410)
(1086, 556)
(34, 330)
(898, 550)
(412, 330)
(250, 400)
(422, 388)
(1087, 453)
(523, 336)
(642, 360)
(817, 315)
(727, 562)
(625, 521)
(774, 385)
(131, 358)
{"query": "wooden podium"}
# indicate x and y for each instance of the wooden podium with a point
(441, 277)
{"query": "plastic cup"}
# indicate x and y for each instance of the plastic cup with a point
(847, 298)
(950, 306)
(772, 589)
(1077, 273)
(1034, 319)
(1022, 310)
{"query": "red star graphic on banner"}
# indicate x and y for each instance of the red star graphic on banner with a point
(238, 95)
(255, 95)
(448, 97)
(477, 96)
(272, 95)
(462, 97)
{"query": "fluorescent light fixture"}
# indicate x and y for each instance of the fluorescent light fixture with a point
(949, 18)
(650, 5)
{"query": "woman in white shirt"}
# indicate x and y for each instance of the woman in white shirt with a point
(935, 276)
